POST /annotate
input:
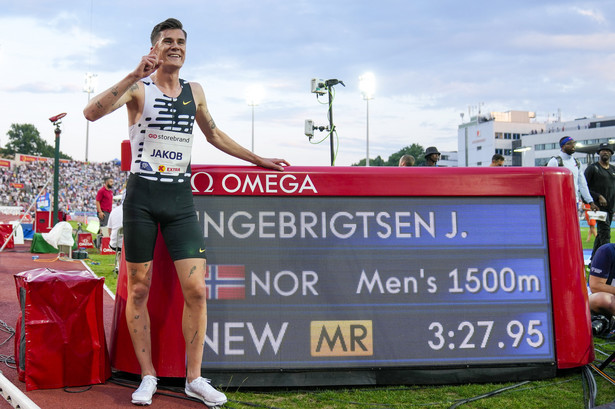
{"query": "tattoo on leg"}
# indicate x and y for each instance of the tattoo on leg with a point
(194, 337)
(192, 270)
(133, 272)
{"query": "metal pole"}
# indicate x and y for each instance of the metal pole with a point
(367, 136)
(252, 128)
(56, 175)
(331, 128)
(87, 131)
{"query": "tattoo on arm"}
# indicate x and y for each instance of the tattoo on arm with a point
(99, 105)
(114, 91)
(210, 120)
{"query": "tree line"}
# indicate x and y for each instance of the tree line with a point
(26, 139)
(415, 150)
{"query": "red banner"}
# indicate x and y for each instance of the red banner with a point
(30, 158)
(17, 185)
(5, 163)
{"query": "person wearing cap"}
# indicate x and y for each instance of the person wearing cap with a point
(565, 159)
(600, 178)
(432, 156)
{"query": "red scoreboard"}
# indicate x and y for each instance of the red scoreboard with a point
(348, 275)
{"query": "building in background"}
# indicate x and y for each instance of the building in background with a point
(523, 141)
(484, 135)
(448, 159)
(537, 149)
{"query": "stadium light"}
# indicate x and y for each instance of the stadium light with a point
(367, 84)
(254, 96)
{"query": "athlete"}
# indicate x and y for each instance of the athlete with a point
(162, 109)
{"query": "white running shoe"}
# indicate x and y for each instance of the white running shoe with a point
(143, 395)
(201, 389)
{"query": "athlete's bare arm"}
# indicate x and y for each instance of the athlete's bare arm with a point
(221, 140)
(127, 92)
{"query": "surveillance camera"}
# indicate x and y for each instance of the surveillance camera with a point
(57, 117)
(318, 86)
(309, 128)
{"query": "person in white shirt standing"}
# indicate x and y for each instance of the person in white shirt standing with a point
(565, 159)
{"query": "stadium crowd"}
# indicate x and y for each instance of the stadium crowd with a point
(78, 183)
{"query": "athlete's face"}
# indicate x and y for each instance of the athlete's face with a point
(171, 47)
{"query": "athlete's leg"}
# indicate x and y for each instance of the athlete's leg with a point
(602, 303)
(191, 273)
(137, 316)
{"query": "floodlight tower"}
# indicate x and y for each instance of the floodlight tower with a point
(254, 96)
(367, 84)
(90, 80)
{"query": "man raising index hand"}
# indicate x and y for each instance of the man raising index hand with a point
(162, 109)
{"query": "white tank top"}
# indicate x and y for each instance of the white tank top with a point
(161, 141)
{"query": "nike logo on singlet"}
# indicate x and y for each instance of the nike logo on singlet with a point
(186, 103)
(201, 250)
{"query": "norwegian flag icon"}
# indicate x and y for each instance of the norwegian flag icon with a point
(225, 282)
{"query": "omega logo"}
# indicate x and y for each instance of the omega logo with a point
(256, 183)
(210, 183)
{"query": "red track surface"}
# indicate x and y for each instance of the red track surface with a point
(108, 395)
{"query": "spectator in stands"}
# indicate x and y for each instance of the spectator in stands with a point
(43, 202)
(104, 201)
(76, 192)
